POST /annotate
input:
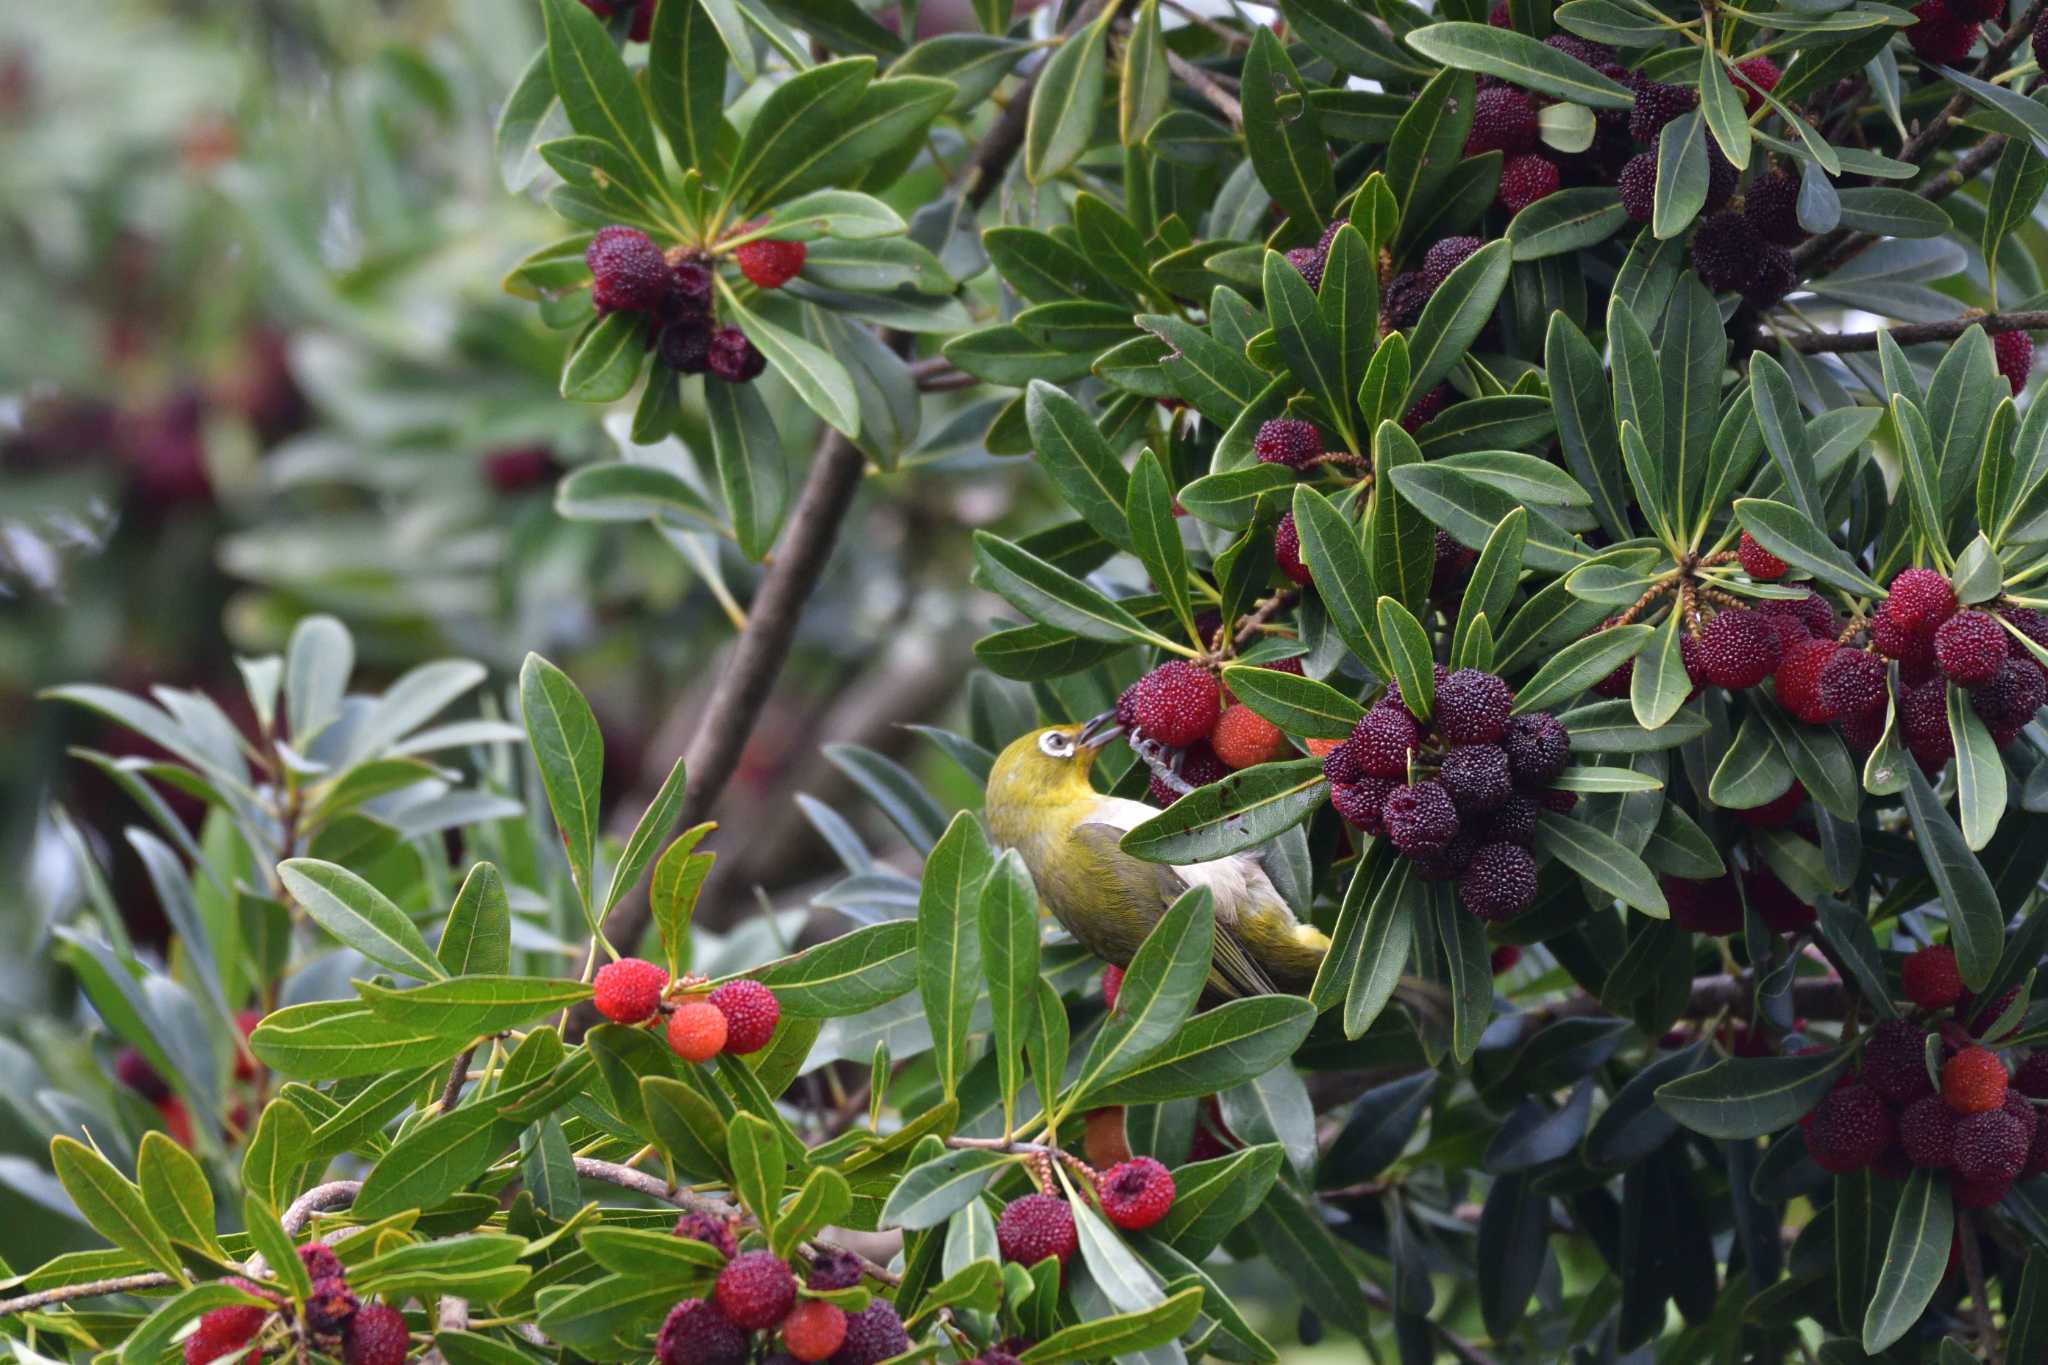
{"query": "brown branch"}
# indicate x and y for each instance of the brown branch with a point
(457, 1074)
(1208, 87)
(1980, 1302)
(1808, 343)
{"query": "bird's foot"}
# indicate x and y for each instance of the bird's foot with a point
(1164, 763)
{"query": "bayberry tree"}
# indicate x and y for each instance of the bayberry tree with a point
(1514, 807)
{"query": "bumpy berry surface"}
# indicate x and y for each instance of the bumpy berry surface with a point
(2030, 1078)
(770, 264)
(1526, 179)
(702, 1227)
(1178, 702)
(1760, 72)
(1812, 610)
(751, 1012)
(1539, 749)
(1287, 549)
(320, 1261)
(1798, 679)
(1437, 675)
(733, 358)
(1445, 256)
(1758, 562)
(1982, 1016)
(1895, 1061)
(1990, 1146)
(696, 1030)
(1476, 776)
(376, 1335)
(1035, 1227)
(1771, 205)
(1704, 907)
(1852, 684)
(834, 1269)
(1342, 762)
(1782, 910)
(2010, 700)
(1920, 599)
(1503, 120)
(627, 270)
(1617, 683)
(1657, 104)
(873, 1334)
(1136, 1193)
(1472, 707)
(755, 1290)
(1499, 882)
(1363, 804)
(1450, 563)
(1288, 441)
(330, 1306)
(1725, 252)
(1927, 1131)
(1940, 33)
(2039, 42)
(814, 1329)
(1426, 408)
(223, 1331)
(2014, 352)
(1401, 304)
(691, 292)
(1970, 648)
(1420, 819)
(685, 344)
(628, 991)
(1933, 982)
(696, 1333)
(1199, 766)
(1850, 1130)
(1776, 276)
(1738, 649)
(1638, 183)
(1383, 739)
(1973, 1081)
(1308, 262)
(1448, 862)
(1243, 738)
(1896, 641)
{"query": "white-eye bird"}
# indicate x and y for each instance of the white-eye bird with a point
(1041, 804)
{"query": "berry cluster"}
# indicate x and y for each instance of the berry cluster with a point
(1310, 260)
(335, 1320)
(630, 274)
(1459, 795)
(1714, 906)
(1504, 121)
(1185, 707)
(1935, 641)
(1737, 647)
(737, 1017)
(1954, 1110)
(1134, 1194)
(1944, 31)
(757, 1292)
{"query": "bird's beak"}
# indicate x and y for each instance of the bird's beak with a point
(1100, 731)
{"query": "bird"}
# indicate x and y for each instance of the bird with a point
(1069, 835)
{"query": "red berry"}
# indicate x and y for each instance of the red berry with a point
(1402, 303)
(1726, 253)
(1781, 909)
(628, 991)
(1177, 703)
(755, 1290)
(1851, 684)
(1798, 679)
(1738, 649)
(1445, 256)
(1451, 563)
(1970, 647)
(751, 1013)
(770, 263)
(1927, 1131)
(1812, 611)
(1476, 776)
(1933, 982)
(1499, 882)
(1288, 441)
(1244, 739)
(1426, 408)
(1758, 562)
(872, 1335)
(1638, 184)
(1656, 104)
(1287, 550)
(702, 1227)
(1504, 958)
(320, 1261)
(1991, 1146)
(733, 358)
(1617, 683)
(1136, 1193)
(224, 1331)
(1526, 179)
(2031, 1079)
(1851, 1128)
(696, 1333)
(833, 1269)
(685, 344)
(1035, 1227)
(1364, 803)
(627, 270)
(1421, 819)
(1472, 707)
(133, 1070)
(1895, 1061)
(696, 1030)
(1920, 599)
(1112, 983)
(1973, 1081)
(1382, 741)
(1895, 641)
(1761, 73)
(2009, 701)
(1703, 907)
(1199, 767)
(376, 1335)
(814, 1329)
(1539, 749)
(2015, 355)
(330, 1307)
(1308, 263)
(1771, 206)
(1941, 35)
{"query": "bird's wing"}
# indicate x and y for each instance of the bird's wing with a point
(1235, 972)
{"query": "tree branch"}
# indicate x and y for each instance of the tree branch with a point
(1208, 88)
(1810, 343)
(1455, 1344)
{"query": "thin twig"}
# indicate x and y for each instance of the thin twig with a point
(1208, 87)
(457, 1074)
(1457, 1345)
(1230, 37)
(1835, 342)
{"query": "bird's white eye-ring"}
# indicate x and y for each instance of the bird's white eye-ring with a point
(1056, 743)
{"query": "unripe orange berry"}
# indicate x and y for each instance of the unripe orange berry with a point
(697, 1031)
(814, 1329)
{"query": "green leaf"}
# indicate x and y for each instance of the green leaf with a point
(1603, 861)
(1212, 1197)
(569, 751)
(1408, 648)
(1569, 220)
(112, 1206)
(1298, 705)
(1980, 772)
(1660, 684)
(1750, 1097)
(931, 1193)
(1228, 499)
(1399, 536)
(847, 975)
(1792, 536)
(1235, 1042)
(687, 1127)
(1915, 1260)
(1681, 175)
(1155, 532)
(753, 474)
(1072, 449)
(1008, 913)
(276, 1153)
(1287, 150)
(948, 942)
(1053, 596)
(1976, 923)
(1307, 342)
(800, 119)
(1066, 103)
(1455, 315)
(471, 1005)
(623, 491)
(597, 91)
(1722, 106)
(1520, 60)
(1462, 937)
(672, 896)
(1330, 548)
(760, 1167)
(1121, 1334)
(150, 1340)
(176, 1194)
(1580, 664)
(1241, 811)
(1160, 989)
(359, 915)
(436, 1159)
(478, 935)
(818, 378)
(332, 1039)
(686, 66)
(606, 360)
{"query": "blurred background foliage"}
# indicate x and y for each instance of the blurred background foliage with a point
(255, 362)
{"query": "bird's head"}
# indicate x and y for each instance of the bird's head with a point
(1049, 764)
